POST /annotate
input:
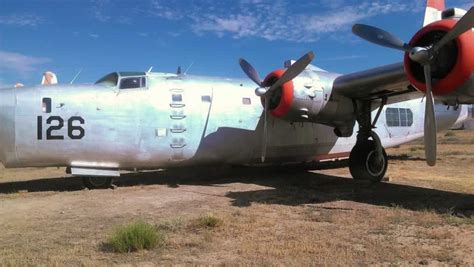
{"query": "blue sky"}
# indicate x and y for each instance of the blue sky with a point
(101, 36)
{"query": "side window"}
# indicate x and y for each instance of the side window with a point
(133, 83)
(403, 117)
(177, 97)
(410, 117)
(399, 117)
(392, 117)
(46, 105)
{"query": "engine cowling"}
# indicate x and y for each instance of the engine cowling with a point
(299, 100)
(454, 65)
(282, 99)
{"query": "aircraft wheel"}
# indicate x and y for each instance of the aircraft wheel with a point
(364, 163)
(96, 182)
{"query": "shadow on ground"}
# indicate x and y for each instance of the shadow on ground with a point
(286, 186)
(405, 157)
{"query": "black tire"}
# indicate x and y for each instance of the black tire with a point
(97, 182)
(363, 164)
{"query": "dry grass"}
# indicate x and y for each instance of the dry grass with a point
(172, 225)
(208, 221)
(423, 216)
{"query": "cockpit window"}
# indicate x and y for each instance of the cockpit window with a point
(124, 80)
(133, 83)
(110, 80)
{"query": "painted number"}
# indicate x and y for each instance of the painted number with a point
(56, 123)
(59, 125)
(75, 132)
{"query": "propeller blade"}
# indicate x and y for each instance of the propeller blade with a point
(264, 142)
(380, 37)
(250, 71)
(464, 24)
(430, 120)
(293, 71)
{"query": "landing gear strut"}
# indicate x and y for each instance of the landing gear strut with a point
(368, 159)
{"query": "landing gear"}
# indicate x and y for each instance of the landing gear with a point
(368, 159)
(365, 163)
(96, 182)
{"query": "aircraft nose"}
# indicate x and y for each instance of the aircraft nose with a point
(7, 125)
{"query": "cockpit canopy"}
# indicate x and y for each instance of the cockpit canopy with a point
(124, 80)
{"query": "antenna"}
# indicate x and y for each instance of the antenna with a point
(186, 71)
(178, 72)
(75, 77)
(151, 68)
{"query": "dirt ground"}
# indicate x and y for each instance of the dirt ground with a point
(285, 216)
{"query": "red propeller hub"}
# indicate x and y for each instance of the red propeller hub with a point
(454, 64)
(282, 98)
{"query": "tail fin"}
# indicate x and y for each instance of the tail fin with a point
(433, 11)
(49, 78)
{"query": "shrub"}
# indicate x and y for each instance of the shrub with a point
(209, 221)
(136, 236)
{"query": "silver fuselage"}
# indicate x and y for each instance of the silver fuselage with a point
(214, 121)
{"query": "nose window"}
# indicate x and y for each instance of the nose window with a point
(46, 105)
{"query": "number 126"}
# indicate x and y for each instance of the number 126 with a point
(56, 123)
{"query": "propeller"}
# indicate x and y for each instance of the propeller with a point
(425, 56)
(430, 121)
(463, 25)
(266, 92)
(380, 37)
(250, 72)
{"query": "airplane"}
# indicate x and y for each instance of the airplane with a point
(298, 114)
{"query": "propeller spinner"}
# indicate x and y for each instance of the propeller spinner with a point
(425, 56)
(266, 92)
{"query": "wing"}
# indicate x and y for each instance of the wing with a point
(389, 81)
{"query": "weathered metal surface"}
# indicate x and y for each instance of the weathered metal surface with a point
(180, 120)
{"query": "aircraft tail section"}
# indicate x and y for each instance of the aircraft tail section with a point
(433, 11)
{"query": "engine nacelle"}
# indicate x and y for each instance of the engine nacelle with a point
(454, 65)
(299, 100)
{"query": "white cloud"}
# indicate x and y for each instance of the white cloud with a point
(107, 11)
(275, 19)
(94, 35)
(237, 25)
(164, 11)
(98, 10)
(16, 62)
(22, 20)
